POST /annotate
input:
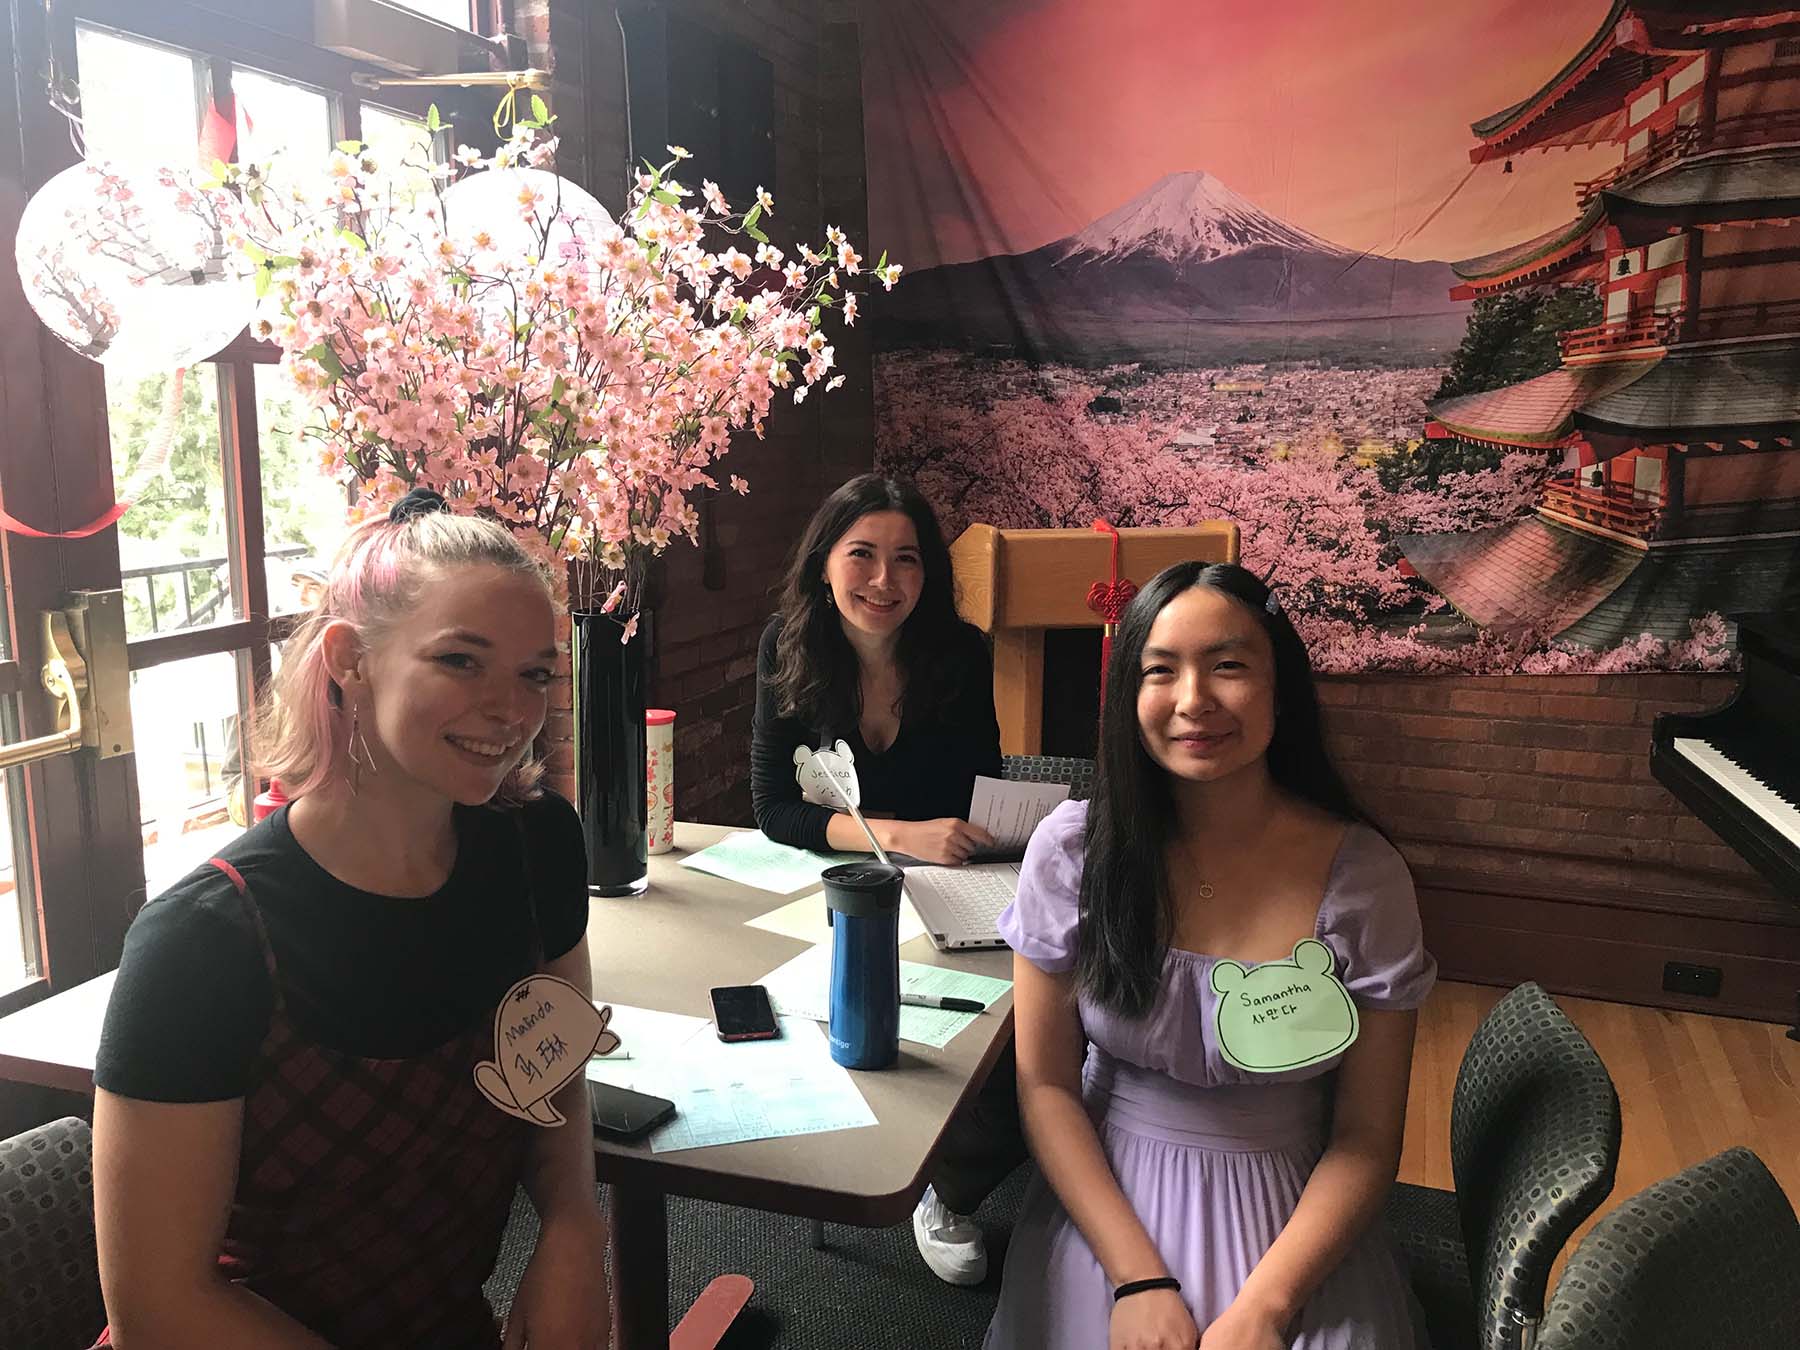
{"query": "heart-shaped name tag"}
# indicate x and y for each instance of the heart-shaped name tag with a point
(545, 1031)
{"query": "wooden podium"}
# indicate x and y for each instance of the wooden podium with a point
(1014, 584)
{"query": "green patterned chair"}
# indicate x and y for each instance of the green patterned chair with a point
(49, 1273)
(1707, 1260)
(1534, 1146)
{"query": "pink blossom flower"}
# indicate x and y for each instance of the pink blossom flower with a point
(764, 200)
(739, 486)
(715, 199)
(579, 399)
(850, 310)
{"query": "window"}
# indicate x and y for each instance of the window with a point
(398, 141)
(455, 12)
(231, 514)
(303, 510)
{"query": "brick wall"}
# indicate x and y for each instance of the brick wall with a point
(1543, 847)
(704, 639)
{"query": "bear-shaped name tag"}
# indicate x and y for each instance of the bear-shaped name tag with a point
(1282, 1015)
(812, 766)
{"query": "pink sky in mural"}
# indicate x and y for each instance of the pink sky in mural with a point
(999, 125)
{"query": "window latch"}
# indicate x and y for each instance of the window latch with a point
(86, 669)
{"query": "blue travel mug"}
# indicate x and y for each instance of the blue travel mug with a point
(863, 900)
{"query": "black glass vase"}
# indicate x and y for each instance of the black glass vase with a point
(609, 678)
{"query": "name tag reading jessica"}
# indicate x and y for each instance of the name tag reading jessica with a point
(817, 770)
(1282, 1015)
(545, 1031)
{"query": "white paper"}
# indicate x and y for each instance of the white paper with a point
(802, 988)
(804, 920)
(652, 1038)
(1010, 811)
(728, 1093)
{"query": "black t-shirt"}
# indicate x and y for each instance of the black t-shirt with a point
(928, 773)
(368, 975)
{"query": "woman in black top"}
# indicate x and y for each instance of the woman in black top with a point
(868, 649)
(293, 1146)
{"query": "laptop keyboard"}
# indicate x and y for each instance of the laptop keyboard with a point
(974, 896)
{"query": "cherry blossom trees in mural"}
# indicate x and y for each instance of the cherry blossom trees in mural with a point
(1316, 518)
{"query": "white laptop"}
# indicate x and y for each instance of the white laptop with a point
(960, 906)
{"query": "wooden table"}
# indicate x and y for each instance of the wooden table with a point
(665, 949)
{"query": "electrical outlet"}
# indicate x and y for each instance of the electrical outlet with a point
(1681, 977)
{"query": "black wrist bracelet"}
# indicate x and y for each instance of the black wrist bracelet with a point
(1144, 1286)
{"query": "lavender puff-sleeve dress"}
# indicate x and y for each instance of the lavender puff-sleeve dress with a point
(1211, 1158)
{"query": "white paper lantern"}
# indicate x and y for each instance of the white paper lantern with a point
(495, 202)
(132, 268)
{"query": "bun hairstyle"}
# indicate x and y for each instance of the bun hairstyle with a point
(421, 501)
(302, 727)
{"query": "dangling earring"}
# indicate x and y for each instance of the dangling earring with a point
(829, 602)
(360, 758)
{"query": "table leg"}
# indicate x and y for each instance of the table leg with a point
(640, 1267)
(640, 1288)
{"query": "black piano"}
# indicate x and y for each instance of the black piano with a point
(1738, 767)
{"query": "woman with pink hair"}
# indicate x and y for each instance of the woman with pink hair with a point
(290, 1146)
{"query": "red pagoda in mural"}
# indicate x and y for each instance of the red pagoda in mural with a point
(1674, 420)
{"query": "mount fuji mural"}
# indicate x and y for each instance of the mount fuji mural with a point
(1186, 261)
(1186, 218)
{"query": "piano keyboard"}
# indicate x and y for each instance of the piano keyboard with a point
(1757, 796)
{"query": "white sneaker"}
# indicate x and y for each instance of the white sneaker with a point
(951, 1245)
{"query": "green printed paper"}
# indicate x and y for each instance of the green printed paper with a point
(1282, 1015)
(751, 858)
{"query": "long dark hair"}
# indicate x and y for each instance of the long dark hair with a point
(816, 674)
(1127, 920)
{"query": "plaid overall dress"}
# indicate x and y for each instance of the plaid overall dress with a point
(372, 1194)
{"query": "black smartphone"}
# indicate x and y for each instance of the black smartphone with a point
(742, 1012)
(620, 1113)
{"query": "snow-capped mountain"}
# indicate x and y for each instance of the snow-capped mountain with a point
(1187, 218)
(1185, 267)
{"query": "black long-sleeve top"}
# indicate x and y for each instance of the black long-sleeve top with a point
(928, 773)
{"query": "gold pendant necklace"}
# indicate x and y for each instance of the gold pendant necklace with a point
(1206, 890)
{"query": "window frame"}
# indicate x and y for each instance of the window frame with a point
(82, 868)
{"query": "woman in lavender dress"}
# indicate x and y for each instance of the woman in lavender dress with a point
(1194, 1192)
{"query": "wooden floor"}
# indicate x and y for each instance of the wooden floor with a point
(1688, 1085)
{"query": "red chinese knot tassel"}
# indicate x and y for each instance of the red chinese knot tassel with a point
(1108, 599)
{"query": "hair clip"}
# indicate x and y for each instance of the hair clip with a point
(1273, 604)
(421, 501)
